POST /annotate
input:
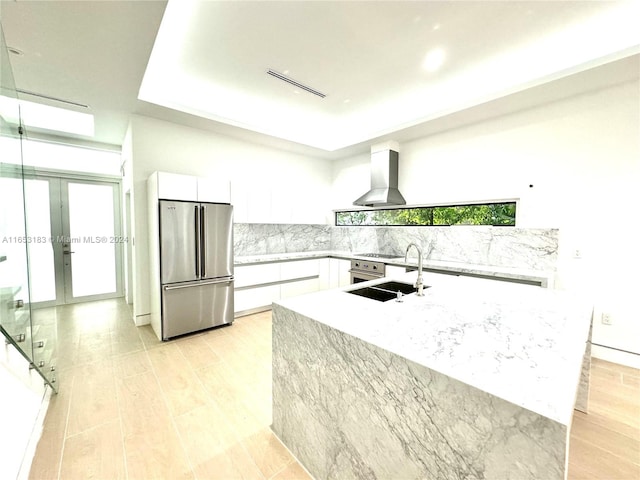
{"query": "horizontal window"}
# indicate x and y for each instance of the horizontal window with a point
(503, 214)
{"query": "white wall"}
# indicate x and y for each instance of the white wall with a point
(128, 211)
(581, 154)
(22, 412)
(267, 185)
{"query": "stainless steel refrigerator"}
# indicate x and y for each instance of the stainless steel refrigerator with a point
(196, 266)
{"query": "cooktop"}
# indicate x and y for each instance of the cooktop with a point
(377, 255)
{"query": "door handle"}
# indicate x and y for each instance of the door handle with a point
(203, 242)
(67, 252)
(198, 284)
(197, 240)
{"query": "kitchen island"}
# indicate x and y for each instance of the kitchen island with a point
(476, 379)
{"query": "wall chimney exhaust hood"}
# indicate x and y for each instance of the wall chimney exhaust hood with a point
(384, 178)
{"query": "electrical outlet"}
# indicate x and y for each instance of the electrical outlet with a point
(606, 319)
(577, 253)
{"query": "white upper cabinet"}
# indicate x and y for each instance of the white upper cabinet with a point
(174, 186)
(214, 190)
(285, 202)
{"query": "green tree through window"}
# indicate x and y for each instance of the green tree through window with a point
(503, 214)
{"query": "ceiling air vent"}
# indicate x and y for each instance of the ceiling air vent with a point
(55, 99)
(291, 81)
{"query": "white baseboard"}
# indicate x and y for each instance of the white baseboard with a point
(140, 320)
(616, 356)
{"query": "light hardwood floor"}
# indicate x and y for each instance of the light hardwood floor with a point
(132, 407)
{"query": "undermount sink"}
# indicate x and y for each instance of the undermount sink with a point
(394, 287)
(374, 293)
(386, 291)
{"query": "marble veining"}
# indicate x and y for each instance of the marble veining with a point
(266, 238)
(582, 399)
(531, 248)
(475, 380)
(348, 408)
(498, 247)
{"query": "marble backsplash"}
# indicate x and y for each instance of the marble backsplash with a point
(529, 248)
(268, 238)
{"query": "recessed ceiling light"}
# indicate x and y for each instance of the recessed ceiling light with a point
(436, 26)
(15, 51)
(434, 60)
(346, 100)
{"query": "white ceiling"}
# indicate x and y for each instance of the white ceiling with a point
(87, 52)
(209, 61)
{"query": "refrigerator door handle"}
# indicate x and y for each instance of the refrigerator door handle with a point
(196, 284)
(197, 240)
(203, 242)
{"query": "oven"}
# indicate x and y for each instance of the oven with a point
(365, 270)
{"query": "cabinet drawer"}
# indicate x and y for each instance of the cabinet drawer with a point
(246, 275)
(299, 269)
(299, 288)
(256, 297)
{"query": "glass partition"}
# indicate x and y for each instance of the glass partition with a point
(36, 341)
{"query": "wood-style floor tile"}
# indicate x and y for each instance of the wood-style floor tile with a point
(197, 352)
(267, 452)
(229, 394)
(232, 464)
(156, 454)
(131, 364)
(212, 445)
(182, 389)
(595, 461)
(95, 453)
(46, 462)
(93, 398)
(142, 404)
(293, 471)
(610, 440)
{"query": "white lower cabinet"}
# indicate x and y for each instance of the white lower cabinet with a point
(339, 275)
(299, 269)
(255, 297)
(247, 275)
(257, 286)
(293, 289)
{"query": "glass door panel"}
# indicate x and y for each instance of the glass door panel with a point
(92, 254)
(42, 272)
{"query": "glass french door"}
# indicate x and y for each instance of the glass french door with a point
(75, 245)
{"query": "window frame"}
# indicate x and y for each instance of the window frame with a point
(515, 203)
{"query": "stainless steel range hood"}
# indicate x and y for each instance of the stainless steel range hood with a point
(384, 179)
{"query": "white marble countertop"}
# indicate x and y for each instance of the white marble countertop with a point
(543, 277)
(522, 343)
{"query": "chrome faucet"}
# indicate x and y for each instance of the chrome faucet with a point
(419, 285)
